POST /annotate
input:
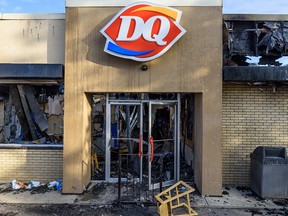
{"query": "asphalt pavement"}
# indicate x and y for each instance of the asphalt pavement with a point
(234, 201)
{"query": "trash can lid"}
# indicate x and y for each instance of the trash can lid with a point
(270, 152)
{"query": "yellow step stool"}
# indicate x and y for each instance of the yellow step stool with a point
(176, 196)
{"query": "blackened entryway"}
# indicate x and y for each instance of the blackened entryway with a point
(145, 130)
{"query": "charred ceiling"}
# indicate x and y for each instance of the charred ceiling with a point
(248, 35)
(31, 103)
(263, 38)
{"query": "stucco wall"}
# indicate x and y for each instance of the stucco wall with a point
(192, 65)
(32, 39)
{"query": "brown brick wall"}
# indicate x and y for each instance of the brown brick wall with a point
(252, 116)
(31, 164)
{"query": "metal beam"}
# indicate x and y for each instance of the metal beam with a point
(113, 3)
(38, 71)
(30, 81)
(32, 16)
(255, 74)
(255, 17)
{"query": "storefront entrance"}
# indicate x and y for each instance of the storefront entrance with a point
(142, 137)
(192, 65)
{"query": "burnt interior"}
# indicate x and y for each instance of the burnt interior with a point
(243, 39)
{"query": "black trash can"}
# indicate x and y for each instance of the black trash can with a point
(269, 172)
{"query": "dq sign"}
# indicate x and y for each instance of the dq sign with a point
(142, 31)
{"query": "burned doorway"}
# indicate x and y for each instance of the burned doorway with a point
(146, 131)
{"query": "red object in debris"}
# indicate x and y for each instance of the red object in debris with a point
(22, 185)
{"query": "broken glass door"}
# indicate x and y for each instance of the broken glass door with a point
(142, 141)
(162, 162)
(125, 139)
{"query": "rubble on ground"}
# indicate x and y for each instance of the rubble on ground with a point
(35, 187)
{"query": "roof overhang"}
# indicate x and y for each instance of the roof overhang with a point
(28, 16)
(255, 17)
(255, 74)
(113, 3)
(31, 73)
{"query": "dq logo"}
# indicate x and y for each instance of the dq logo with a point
(142, 31)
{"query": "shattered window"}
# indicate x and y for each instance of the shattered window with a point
(31, 114)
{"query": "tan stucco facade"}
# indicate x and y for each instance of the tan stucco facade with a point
(32, 38)
(192, 65)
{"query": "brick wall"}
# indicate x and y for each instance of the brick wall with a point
(252, 116)
(25, 164)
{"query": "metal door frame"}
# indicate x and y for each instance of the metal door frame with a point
(175, 141)
(109, 103)
(140, 103)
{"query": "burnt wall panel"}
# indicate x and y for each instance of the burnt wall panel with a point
(255, 35)
(41, 71)
(255, 74)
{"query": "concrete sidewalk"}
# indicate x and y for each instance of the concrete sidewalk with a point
(236, 197)
(232, 198)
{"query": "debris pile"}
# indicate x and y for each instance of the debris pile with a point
(31, 114)
(266, 39)
(35, 187)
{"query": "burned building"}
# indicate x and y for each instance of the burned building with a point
(32, 99)
(195, 111)
(254, 90)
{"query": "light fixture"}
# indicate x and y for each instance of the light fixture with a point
(144, 67)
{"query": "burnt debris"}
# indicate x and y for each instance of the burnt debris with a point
(248, 36)
(31, 114)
